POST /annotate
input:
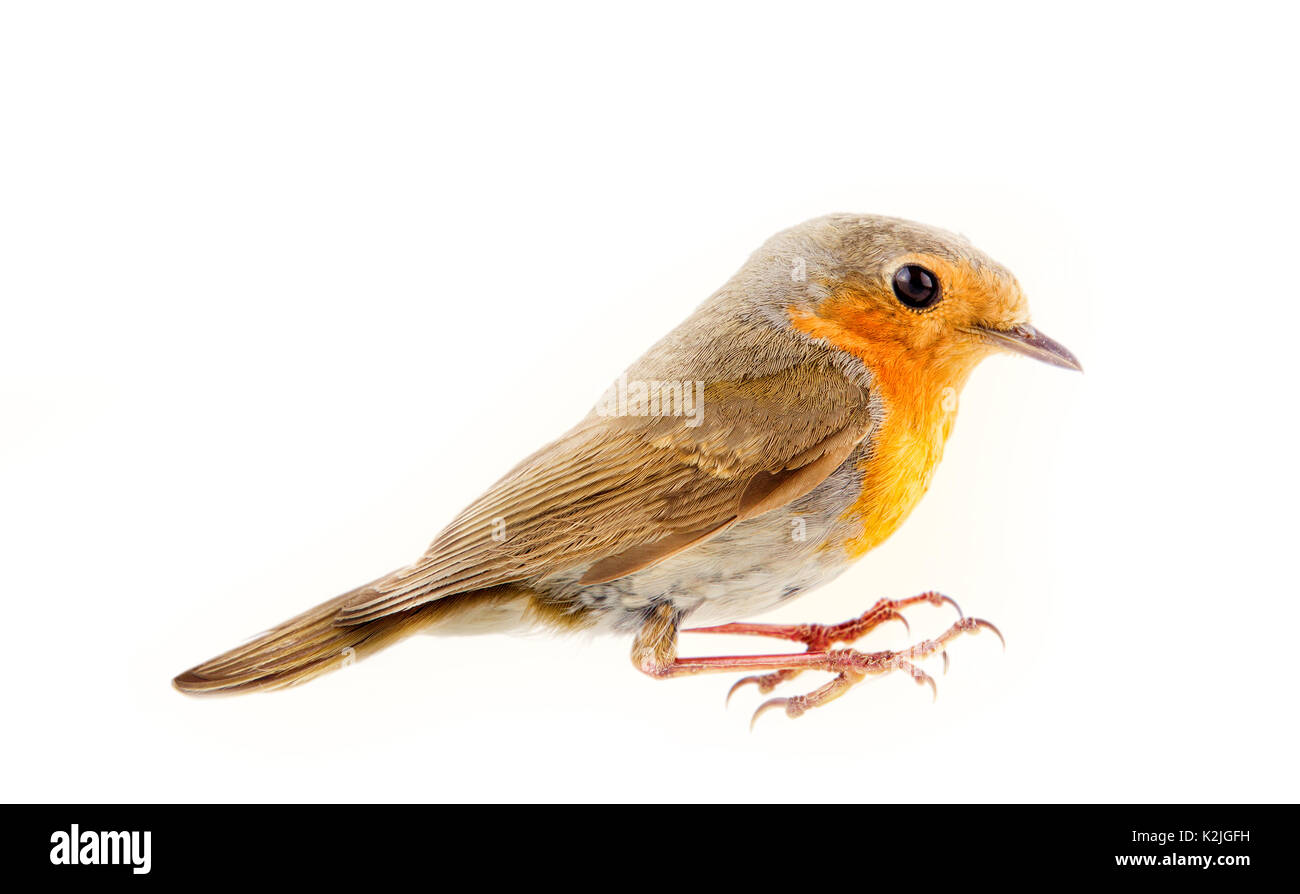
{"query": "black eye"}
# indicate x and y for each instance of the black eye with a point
(916, 287)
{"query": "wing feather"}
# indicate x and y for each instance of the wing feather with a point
(618, 494)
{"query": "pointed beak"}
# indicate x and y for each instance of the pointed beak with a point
(1029, 341)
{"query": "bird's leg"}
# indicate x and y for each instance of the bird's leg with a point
(820, 637)
(655, 653)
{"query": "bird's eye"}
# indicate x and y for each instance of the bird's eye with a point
(916, 287)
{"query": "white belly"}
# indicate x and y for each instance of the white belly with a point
(748, 569)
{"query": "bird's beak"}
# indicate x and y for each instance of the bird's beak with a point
(1029, 341)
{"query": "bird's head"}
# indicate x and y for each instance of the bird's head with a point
(918, 305)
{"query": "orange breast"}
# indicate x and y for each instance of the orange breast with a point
(897, 471)
(919, 394)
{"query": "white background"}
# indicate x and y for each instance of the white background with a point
(285, 285)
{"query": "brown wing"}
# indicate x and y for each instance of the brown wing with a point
(620, 493)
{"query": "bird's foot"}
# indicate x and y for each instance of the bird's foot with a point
(820, 637)
(853, 666)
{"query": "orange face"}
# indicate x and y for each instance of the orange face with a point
(923, 325)
(920, 327)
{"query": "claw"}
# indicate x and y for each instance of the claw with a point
(934, 688)
(937, 599)
(921, 678)
(741, 682)
(765, 682)
(945, 662)
(896, 616)
(767, 706)
(973, 625)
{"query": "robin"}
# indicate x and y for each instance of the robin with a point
(781, 432)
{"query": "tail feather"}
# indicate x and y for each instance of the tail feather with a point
(304, 647)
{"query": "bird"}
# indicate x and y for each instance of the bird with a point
(783, 430)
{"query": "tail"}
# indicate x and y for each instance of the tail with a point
(309, 645)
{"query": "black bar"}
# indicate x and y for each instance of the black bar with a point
(335, 843)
